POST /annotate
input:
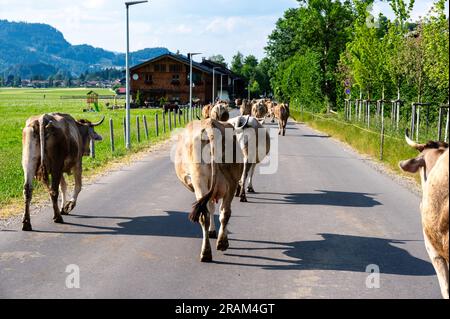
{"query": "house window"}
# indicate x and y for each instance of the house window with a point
(148, 79)
(160, 68)
(175, 68)
(175, 79)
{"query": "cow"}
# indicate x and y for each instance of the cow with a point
(270, 110)
(281, 113)
(219, 112)
(209, 179)
(206, 111)
(246, 108)
(259, 110)
(249, 132)
(53, 144)
(433, 165)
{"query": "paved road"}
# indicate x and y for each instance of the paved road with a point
(309, 232)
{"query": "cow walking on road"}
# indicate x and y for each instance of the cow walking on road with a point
(281, 113)
(53, 144)
(210, 178)
(254, 141)
(433, 164)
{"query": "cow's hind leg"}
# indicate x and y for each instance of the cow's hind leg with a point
(212, 224)
(27, 193)
(284, 127)
(242, 195)
(70, 205)
(250, 188)
(204, 220)
(225, 214)
(54, 194)
(64, 200)
(440, 265)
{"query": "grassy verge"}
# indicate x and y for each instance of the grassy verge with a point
(364, 141)
(16, 105)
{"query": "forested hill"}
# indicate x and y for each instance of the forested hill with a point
(28, 49)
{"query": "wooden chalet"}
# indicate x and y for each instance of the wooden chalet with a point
(167, 77)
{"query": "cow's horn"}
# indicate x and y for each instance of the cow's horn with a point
(411, 143)
(98, 123)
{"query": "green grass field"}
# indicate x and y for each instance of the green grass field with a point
(16, 105)
(365, 142)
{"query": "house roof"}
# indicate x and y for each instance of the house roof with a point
(181, 58)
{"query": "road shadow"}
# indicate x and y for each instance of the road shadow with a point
(321, 197)
(333, 252)
(315, 136)
(173, 224)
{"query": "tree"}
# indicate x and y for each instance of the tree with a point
(218, 58)
(436, 43)
(237, 63)
(319, 25)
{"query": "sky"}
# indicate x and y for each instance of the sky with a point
(206, 26)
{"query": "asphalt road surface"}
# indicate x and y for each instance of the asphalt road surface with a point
(310, 231)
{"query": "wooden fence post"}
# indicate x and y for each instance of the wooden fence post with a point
(170, 120)
(124, 123)
(382, 132)
(111, 135)
(164, 122)
(145, 126)
(156, 125)
(92, 147)
(138, 129)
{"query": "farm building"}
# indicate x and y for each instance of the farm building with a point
(167, 76)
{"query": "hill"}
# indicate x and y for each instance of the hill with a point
(28, 49)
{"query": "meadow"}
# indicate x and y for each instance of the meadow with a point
(16, 105)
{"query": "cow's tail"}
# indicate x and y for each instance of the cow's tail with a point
(200, 207)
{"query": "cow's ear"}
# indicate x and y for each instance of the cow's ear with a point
(95, 136)
(412, 165)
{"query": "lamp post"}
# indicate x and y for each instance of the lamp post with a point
(190, 55)
(214, 84)
(127, 67)
(221, 86)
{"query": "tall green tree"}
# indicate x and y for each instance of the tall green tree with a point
(218, 58)
(436, 44)
(322, 26)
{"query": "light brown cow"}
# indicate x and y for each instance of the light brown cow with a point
(433, 164)
(209, 178)
(206, 111)
(281, 113)
(246, 108)
(254, 141)
(219, 112)
(259, 110)
(53, 144)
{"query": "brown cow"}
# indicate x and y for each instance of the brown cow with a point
(254, 141)
(219, 112)
(433, 163)
(246, 108)
(209, 178)
(54, 144)
(281, 113)
(259, 110)
(206, 111)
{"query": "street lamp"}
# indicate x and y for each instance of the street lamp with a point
(214, 84)
(221, 86)
(190, 55)
(127, 67)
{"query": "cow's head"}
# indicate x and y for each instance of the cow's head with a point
(88, 133)
(429, 154)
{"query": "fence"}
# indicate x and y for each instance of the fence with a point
(163, 123)
(426, 121)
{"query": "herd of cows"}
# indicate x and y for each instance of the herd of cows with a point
(215, 159)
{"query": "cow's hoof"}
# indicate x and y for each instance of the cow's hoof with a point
(27, 227)
(206, 258)
(223, 245)
(212, 234)
(68, 207)
(250, 190)
(58, 220)
(244, 199)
